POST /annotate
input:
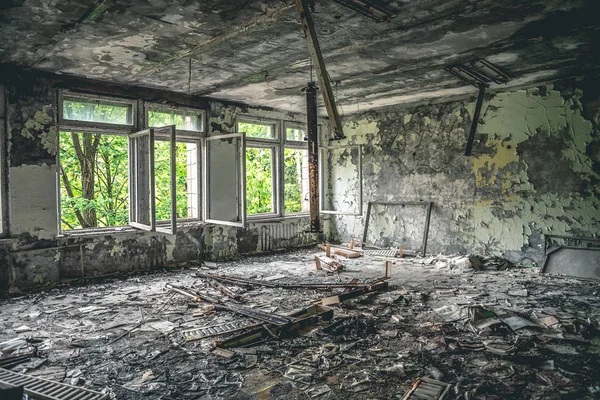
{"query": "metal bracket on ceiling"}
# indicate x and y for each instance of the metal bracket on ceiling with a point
(479, 73)
(371, 9)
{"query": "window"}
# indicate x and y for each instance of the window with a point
(93, 180)
(224, 183)
(262, 146)
(184, 120)
(295, 170)
(189, 125)
(95, 111)
(143, 178)
(111, 176)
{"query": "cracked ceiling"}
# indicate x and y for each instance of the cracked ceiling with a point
(255, 52)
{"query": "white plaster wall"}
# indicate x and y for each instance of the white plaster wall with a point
(33, 200)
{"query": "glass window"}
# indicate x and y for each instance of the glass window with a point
(255, 130)
(81, 109)
(296, 186)
(259, 180)
(93, 180)
(186, 180)
(183, 120)
(296, 134)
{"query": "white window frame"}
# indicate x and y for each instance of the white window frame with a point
(292, 144)
(119, 130)
(322, 162)
(168, 132)
(95, 127)
(148, 106)
(186, 136)
(277, 162)
(240, 177)
(4, 226)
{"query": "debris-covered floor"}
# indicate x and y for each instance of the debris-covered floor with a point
(490, 333)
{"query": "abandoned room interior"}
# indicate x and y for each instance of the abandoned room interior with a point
(299, 199)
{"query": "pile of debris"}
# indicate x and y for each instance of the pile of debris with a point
(274, 326)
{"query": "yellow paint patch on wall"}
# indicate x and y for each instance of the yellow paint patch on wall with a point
(486, 168)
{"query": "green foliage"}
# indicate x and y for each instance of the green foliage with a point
(109, 200)
(293, 172)
(259, 171)
(295, 134)
(87, 110)
(162, 173)
(182, 120)
(110, 195)
(259, 180)
(94, 168)
(256, 130)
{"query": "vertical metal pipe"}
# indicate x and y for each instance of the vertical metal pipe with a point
(313, 155)
(475, 120)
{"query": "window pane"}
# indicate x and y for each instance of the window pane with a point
(184, 120)
(186, 185)
(263, 131)
(96, 111)
(259, 180)
(93, 180)
(295, 134)
(295, 175)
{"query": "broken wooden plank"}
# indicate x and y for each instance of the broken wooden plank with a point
(328, 264)
(340, 298)
(250, 282)
(223, 353)
(340, 251)
(305, 319)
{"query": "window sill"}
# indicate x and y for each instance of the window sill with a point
(276, 218)
(91, 233)
(124, 230)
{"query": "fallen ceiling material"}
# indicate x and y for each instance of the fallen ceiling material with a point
(223, 305)
(458, 322)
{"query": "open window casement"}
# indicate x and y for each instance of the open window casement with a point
(224, 179)
(340, 180)
(142, 179)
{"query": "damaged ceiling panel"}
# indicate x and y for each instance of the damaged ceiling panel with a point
(255, 52)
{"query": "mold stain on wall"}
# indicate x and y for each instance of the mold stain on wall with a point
(533, 172)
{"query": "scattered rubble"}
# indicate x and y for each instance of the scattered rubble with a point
(438, 326)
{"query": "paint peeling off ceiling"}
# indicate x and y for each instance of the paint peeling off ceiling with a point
(255, 52)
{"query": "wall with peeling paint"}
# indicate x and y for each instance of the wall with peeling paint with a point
(33, 254)
(535, 170)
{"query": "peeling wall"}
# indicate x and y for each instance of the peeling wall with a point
(32, 253)
(535, 170)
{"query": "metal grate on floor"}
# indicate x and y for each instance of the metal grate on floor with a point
(44, 389)
(382, 253)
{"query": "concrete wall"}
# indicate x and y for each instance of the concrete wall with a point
(33, 254)
(535, 170)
